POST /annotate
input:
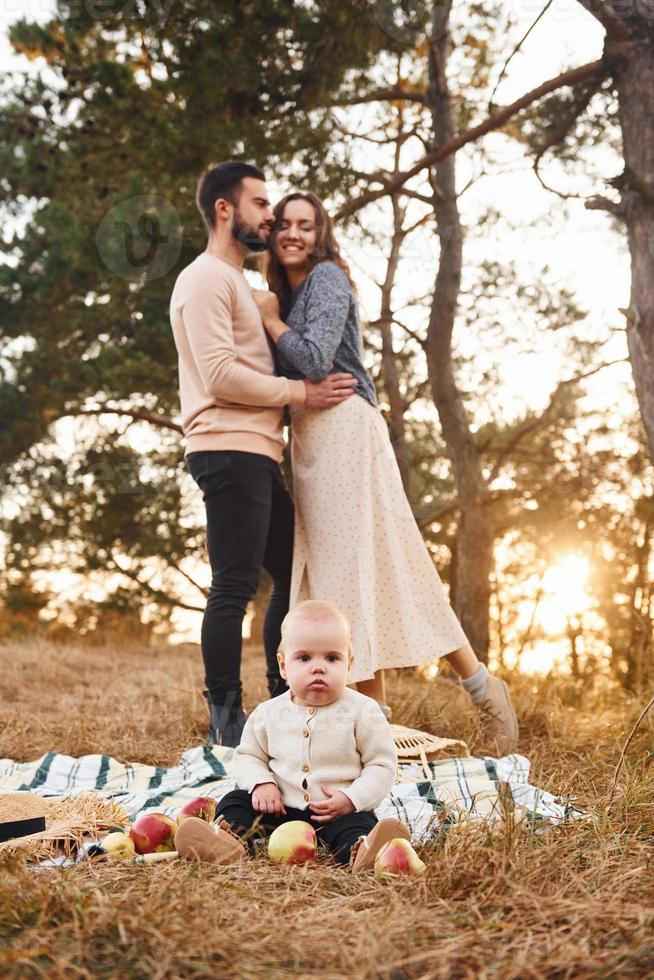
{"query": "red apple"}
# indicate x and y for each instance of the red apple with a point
(153, 832)
(202, 806)
(397, 857)
(293, 843)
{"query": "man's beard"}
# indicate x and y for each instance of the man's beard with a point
(247, 235)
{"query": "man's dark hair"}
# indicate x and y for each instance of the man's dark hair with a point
(223, 180)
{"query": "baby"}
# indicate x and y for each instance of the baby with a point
(320, 752)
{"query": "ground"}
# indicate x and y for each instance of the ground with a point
(578, 902)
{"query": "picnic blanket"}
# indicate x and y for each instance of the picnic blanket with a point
(475, 789)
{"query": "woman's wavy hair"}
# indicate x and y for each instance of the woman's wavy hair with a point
(325, 250)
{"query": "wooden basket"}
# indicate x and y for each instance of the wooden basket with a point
(415, 746)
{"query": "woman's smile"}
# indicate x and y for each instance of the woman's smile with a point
(291, 249)
(295, 234)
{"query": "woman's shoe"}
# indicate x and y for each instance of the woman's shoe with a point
(498, 717)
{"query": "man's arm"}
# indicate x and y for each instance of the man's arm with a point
(207, 317)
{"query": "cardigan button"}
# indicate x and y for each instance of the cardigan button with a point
(307, 797)
(312, 711)
(306, 733)
(305, 768)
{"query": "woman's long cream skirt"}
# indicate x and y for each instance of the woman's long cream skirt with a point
(357, 543)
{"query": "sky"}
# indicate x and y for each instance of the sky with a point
(584, 253)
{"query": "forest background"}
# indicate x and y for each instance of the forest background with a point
(491, 170)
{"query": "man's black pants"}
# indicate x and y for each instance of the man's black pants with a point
(338, 836)
(249, 526)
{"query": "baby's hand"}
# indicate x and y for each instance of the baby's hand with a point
(266, 798)
(336, 805)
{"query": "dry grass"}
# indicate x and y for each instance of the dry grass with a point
(576, 903)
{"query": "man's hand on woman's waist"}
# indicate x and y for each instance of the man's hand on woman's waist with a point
(336, 388)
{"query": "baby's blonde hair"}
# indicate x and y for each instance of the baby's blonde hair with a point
(316, 609)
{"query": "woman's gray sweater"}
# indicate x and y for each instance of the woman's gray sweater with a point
(325, 335)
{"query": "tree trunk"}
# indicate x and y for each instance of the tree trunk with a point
(629, 49)
(640, 646)
(389, 364)
(474, 539)
(573, 630)
(499, 608)
(634, 78)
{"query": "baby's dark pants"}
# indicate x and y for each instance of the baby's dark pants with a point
(338, 836)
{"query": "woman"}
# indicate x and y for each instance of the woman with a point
(356, 541)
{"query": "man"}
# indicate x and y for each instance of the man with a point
(232, 418)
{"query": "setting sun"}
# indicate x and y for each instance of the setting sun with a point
(564, 592)
(554, 603)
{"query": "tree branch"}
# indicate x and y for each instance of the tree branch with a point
(418, 224)
(398, 94)
(495, 121)
(417, 196)
(631, 181)
(526, 636)
(515, 51)
(137, 415)
(157, 594)
(188, 578)
(563, 195)
(567, 118)
(605, 204)
(523, 430)
(422, 341)
(532, 424)
(448, 509)
(606, 15)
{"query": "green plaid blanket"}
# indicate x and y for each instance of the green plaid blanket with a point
(466, 789)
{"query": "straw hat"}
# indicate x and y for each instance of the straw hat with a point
(21, 814)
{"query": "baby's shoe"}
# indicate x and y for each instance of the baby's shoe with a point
(365, 850)
(198, 840)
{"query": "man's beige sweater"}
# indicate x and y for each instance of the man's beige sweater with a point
(230, 398)
(347, 745)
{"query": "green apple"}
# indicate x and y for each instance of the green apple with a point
(116, 845)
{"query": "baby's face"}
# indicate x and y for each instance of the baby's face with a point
(315, 662)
